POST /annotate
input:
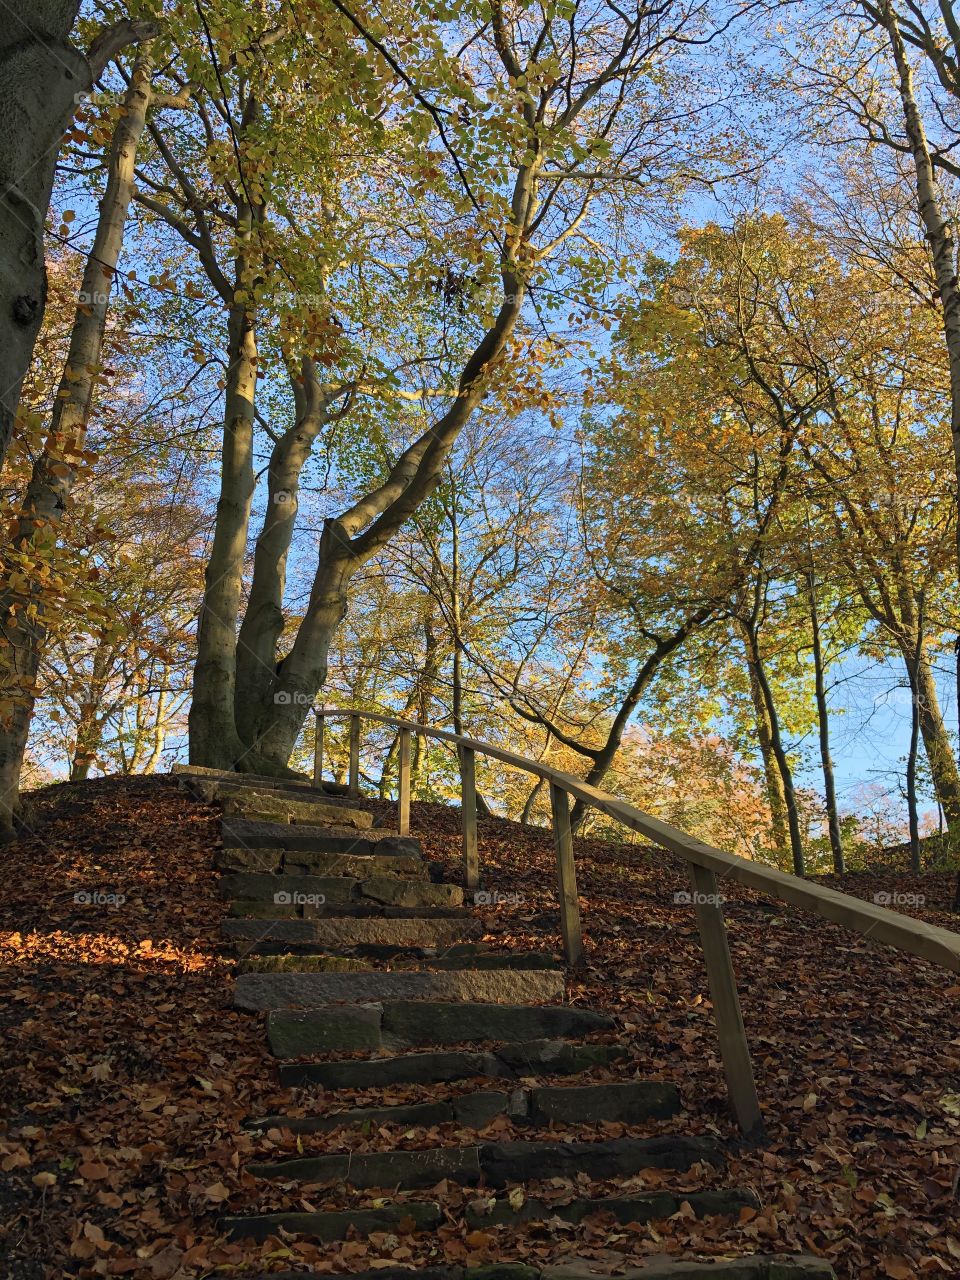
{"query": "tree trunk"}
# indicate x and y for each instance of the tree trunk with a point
(773, 780)
(54, 473)
(263, 621)
(823, 723)
(939, 232)
(777, 747)
(42, 79)
(936, 740)
(214, 740)
(912, 753)
(350, 540)
(90, 724)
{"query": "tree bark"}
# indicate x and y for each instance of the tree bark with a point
(214, 740)
(263, 621)
(21, 599)
(777, 747)
(43, 77)
(823, 725)
(773, 780)
(936, 740)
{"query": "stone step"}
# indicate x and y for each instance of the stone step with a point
(416, 1022)
(767, 1266)
(335, 837)
(256, 992)
(307, 907)
(496, 1163)
(649, 1207)
(630, 1102)
(333, 1224)
(385, 889)
(510, 1061)
(249, 805)
(327, 963)
(274, 860)
(392, 927)
(257, 781)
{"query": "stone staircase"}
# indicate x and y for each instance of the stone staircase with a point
(350, 944)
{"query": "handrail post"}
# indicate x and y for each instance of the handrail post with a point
(353, 776)
(403, 784)
(566, 876)
(468, 810)
(734, 1050)
(318, 750)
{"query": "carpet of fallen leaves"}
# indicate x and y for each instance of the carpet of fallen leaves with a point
(126, 1076)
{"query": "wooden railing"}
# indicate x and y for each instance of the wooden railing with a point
(708, 867)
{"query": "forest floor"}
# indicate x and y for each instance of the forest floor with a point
(126, 1075)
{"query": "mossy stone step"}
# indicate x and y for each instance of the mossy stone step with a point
(256, 781)
(333, 1224)
(495, 1163)
(509, 1062)
(247, 804)
(331, 933)
(649, 1207)
(257, 992)
(630, 1102)
(274, 860)
(333, 837)
(406, 1024)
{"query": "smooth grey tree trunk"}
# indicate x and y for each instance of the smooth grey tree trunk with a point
(43, 78)
(54, 472)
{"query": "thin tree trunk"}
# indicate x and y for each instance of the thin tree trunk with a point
(90, 724)
(54, 473)
(773, 780)
(823, 723)
(779, 753)
(912, 754)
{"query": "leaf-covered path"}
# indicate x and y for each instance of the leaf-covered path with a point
(128, 1076)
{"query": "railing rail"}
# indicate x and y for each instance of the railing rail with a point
(708, 866)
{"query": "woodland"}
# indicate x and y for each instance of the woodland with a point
(581, 377)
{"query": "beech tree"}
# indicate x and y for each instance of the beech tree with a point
(45, 77)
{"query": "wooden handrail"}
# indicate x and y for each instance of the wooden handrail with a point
(929, 942)
(709, 867)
